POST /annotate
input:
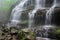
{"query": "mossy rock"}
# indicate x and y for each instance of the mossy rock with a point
(26, 34)
(57, 33)
(13, 30)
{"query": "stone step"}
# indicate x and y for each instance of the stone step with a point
(41, 38)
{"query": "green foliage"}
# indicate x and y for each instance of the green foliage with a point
(25, 22)
(57, 33)
(26, 34)
(57, 30)
(7, 4)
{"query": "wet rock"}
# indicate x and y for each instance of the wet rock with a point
(13, 30)
(1, 32)
(40, 16)
(26, 34)
(2, 37)
(57, 32)
(14, 37)
(56, 16)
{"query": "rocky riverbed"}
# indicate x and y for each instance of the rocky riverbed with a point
(13, 33)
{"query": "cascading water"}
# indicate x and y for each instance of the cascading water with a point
(39, 4)
(17, 12)
(49, 15)
(49, 18)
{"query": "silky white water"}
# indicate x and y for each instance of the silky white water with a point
(48, 18)
(39, 4)
(49, 15)
(17, 12)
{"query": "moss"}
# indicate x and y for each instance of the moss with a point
(57, 33)
(26, 34)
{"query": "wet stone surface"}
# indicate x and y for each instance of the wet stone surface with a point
(40, 38)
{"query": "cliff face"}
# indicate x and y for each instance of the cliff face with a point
(5, 8)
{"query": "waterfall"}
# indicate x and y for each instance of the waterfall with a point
(49, 14)
(17, 12)
(49, 18)
(55, 2)
(39, 4)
